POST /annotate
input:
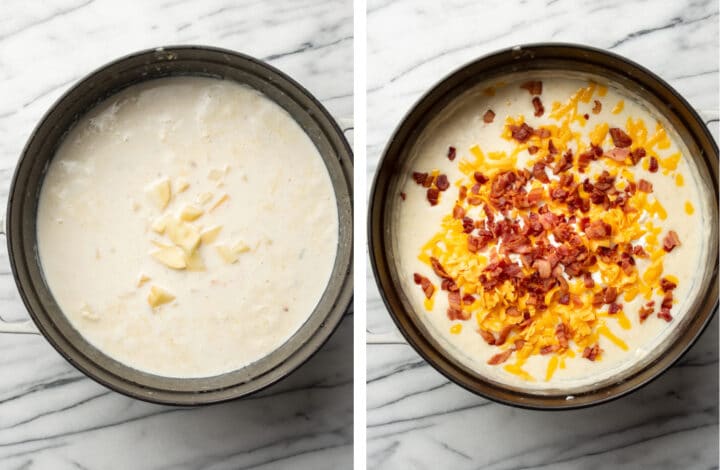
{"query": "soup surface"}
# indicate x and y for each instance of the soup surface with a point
(187, 226)
(547, 230)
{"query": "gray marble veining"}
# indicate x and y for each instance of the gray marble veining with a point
(419, 420)
(53, 417)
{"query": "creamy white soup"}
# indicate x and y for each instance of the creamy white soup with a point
(547, 230)
(187, 226)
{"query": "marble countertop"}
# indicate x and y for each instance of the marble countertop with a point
(416, 418)
(52, 416)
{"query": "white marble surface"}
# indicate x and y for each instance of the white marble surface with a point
(51, 416)
(416, 418)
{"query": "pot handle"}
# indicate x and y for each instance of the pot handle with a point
(17, 327)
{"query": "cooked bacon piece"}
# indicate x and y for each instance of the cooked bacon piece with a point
(455, 311)
(487, 336)
(462, 192)
(499, 358)
(670, 241)
(452, 152)
(419, 177)
(664, 314)
(597, 107)
(428, 181)
(645, 186)
(480, 178)
(598, 230)
(551, 148)
(620, 138)
(442, 182)
(489, 116)
(640, 252)
(588, 280)
(538, 172)
(586, 116)
(584, 160)
(532, 150)
(468, 299)
(667, 301)
(542, 133)
(432, 196)
(403, 196)
(522, 132)
(504, 333)
(653, 167)
(425, 284)
(475, 201)
(543, 268)
(562, 332)
(609, 294)
(535, 195)
(539, 108)
(666, 285)
(533, 86)
(439, 270)
(458, 212)
(468, 224)
(512, 312)
(618, 154)
(519, 343)
(591, 352)
(614, 308)
(564, 164)
(449, 285)
(550, 348)
(637, 155)
(644, 312)
(631, 188)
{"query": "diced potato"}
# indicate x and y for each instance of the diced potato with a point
(160, 192)
(191, 213)
(171, 256)
(209, 235)
(183, 235)
(159, 296)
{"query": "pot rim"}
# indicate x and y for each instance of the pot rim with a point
(376, 243)
(301, 354)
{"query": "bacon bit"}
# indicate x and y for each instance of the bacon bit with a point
(521, 133)
(475, 201)
(543, 268)
(487, 336)
(597, 107)
(644, 312)
(439, 270)
(618, 154)
(512, 311)
(451, 153)
(665, 315)
(598, 230)
(637, 155)
(640, 252)
(442, 182)
(588, 280)
(499, 358)
(468, 224)
(551, 148)
(586, 116)
(562, 332)
(425, 284)
(667, 301)
(532, 150)
(591, 352)
(538, 172)
(653, 167)
(609, 295)
(449, 285)
(539, 108)
(468, 299)
(620, 138)
(535, 195)
(462, 192)
(542, 133)
(550, 348)
(419, 177)
(432, 196)
(584, 160)
(458, 212)
(645, 186)
(403, 196)
(534, 87)
(480, 178)
(565, 163)
(428, 181)
(614, 308)
(666, 285)
(489, 116)
(671, 241)
(504, 333)
(519, 343)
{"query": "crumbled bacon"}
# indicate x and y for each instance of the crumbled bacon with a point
(451, 153)
(438, 268)
(533, 86)
(539, 108)
(468, 299)
(645, 186)
(468, 224)
(665, 315)
(637, 155)
(419, 177)
(565, 163)
(538, 172)
(598, 230)
(522, 132)
(551, 148)
(550, 348)
(591, 352)
(425, 284)
(462, 192)
(542, 133)
(480, 178)
(618, 154)
(653, 167)
(432, 196)
(489, 116)
(620, 138)
(532, 149)
(588, 280)
(666, 285)
(499, 358)
(597, 107)
(670, 241)
(458, 212)
(487, 336)
(639, 251)
(504, 333)
(644, 312)
(614, 308)
(449, 285)
(512, 311)
(609, 294)
(442, 182)
(455, 311)
(584, 160)
(428, 181)
(562, 332)
(543, 268)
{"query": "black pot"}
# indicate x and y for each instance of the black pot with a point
(23, 203)
(535, 58)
